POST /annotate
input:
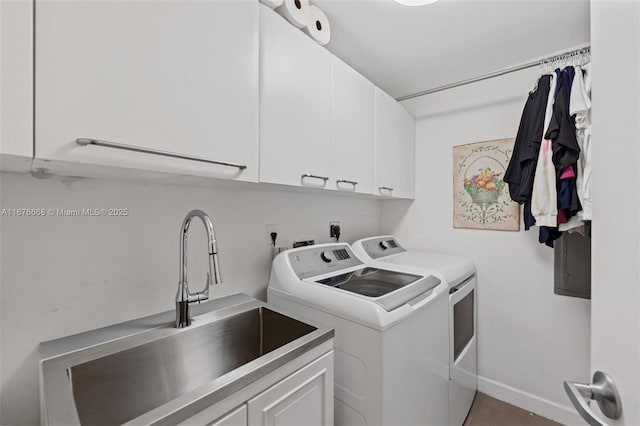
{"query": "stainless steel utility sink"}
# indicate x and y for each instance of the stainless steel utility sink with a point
(121, 379)
(142, 378)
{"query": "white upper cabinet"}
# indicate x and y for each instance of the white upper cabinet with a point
(394, 148)
(173, 76)
(295, 105)
(406, 152)
(351, 129)
(214, 88)
(16, 83)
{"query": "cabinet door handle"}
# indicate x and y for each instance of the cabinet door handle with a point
(312, 176)
(352, 182)
(602, 390)
(97, 142)
(385, 188)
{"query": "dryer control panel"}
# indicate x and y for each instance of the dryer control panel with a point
(313, 261)
(383, 246)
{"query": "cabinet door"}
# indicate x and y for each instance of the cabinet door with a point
(175, 76)
(351, 129)
(304, 398)
(295, 104)
(406, 153)
(394, 148)
(237, 417)
(16, 66)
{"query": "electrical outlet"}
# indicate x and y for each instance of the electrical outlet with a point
(335, 222)
(271, 228)
(334, 230)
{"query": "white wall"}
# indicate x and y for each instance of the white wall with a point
(529, 340)
(64, 275)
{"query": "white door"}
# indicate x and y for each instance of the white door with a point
(303, 399)
(16, 65)
(406, 153)
(394, 148)
(237, 417)
(615, 302)
(351, 129)
(173, 76)
(295, 105)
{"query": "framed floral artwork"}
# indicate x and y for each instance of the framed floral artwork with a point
(480, 195)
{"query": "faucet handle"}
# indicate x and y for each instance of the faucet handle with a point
(200, 296)
(204, 294)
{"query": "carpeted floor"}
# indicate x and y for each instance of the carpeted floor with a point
(487, 411)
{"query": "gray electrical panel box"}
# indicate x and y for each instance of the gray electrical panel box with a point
(572, 259)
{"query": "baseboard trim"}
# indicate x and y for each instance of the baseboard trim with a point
(535, 404)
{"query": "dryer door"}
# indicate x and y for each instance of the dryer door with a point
(463, 365)
(462, 300)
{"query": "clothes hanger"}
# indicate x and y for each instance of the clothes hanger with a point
(544, 68)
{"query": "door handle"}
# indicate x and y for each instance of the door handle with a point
(107, 144)
(602, 390)
(312, 176)
(350, 182)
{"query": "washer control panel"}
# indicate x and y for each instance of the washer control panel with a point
(313, 261)
(383, 246)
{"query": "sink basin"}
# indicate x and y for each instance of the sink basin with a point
(147, 371)
(142, 378)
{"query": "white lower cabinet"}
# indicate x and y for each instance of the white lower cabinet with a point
(237, 417)
(303, 399)
(300, 393)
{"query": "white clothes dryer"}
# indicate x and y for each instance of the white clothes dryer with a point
(460, 275)
(390, 352)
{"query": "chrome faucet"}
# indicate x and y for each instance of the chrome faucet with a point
(184, 297)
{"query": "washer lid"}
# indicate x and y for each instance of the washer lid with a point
(454, 269)
(388, 289)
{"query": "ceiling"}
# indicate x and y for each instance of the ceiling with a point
(405, 50)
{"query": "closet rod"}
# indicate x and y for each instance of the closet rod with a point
(568, 53)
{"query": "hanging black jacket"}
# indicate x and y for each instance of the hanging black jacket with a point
(524, 159)
(562, 128)
(566, 151)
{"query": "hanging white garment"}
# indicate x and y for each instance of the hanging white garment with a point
(544, 199)
(580, 105)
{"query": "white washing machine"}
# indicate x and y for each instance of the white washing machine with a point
(390, 350)
(460, 274)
